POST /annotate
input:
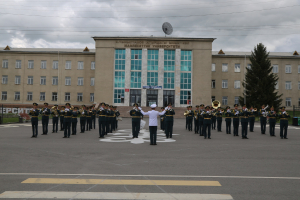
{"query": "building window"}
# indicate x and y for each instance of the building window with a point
(4, 79)
(92, 65)
(120, 79)
(213, 98)
(68, 65)
(298, 69)
(288, 69)
(169, 80)
(236, 100)
(185, 97)
(43, 80)
(152, 78)
(4, 95)
(224, 100)
(17, 80)
(135, 97)
(55, 64)
(42, 96)
(80, 65)
(120, 55)
(224, 83)
(288, 102)
(91, 97)
(80, 81)
(185, 81)
(299, 102)
(54, 96)
(17, 96)
(30, 64)
(237, 84)
(43, 64)
(67, 96)
(276, 85)
(237, 68)
(224, 67)
(213, 84)
(92, 81)
(288, 85)
(249, 66)
(213, 67)
(79, 96)
(54, 80)
(30, 80)
(136, 59)
(68, 81)
(119, 95)
(275, 69)
(186, 61)
(18, 64)
(4, 63)
(298, 85)
(29, 96)
(169, 60)
(136, 78)
(152, 62)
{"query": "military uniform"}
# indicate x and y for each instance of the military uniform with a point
(55, 115)
(213, 121)
(272, 121)
(112, 119)
(201, 119)
(83, 114)
(93, 118)
(45, 118)
(61, 117)
(236, 121)
(67, 121)
(228, 115)
(251, 119)
(284, 123)
(75, 114)
(34, 120)
(263, 120)
(207, 123)
(169, 121)
(102, 120)
(190, 117)
(162, 120)
(136, 117)
(117, 113)
(219, 114)
(196, 120)
(244, 121)
(89, 120)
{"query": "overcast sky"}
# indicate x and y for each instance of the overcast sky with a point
(237, 25)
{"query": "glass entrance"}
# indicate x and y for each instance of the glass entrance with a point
(152, 97)
(135, 97)
(169, 97)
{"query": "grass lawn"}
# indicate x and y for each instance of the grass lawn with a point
(8, 120)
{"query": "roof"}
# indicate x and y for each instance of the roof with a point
(47, 50)
(153, 38)
(242, 54)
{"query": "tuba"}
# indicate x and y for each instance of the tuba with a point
(54, 110)
(186, 113)
(215, 104)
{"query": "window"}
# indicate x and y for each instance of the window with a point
(169, 80)
(80, 81)
(120, 59)
(4, 79)
(120, 79)
(213, 98)
(93, 65)
(213, 67)
(169, 60)
(298, 85)
(43, 64)
(224, 67)
(54, 80)
(299, 102)
(18, 64)
(42, 96)
(29, 96)
(185, 97)
(249, 66)
(4, 63)
(136, 79)
(80, 65)
(54, 96)
(119, 95)
(136, 59)
(224, 83)
(92, 81)
(288, 102)
(55, 64)
(67, 96)
(17, 96)
(186, 61)
(30, 64)
(17, 80)
(68, 65)
(4, 95)
(152, 78)
(91, 97)
(30, 80)
(288, 85)
(298, 69)
(213, 84)
(79, 96)
(224, 100)
(237, 84)
(185, 81)
(276, 85)
(43, 80)
(288, 69)
(237, 68)
(236, 100)
(68, 80)
(152, 62)
(275, 69)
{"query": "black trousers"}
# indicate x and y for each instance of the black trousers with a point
(169, 129)
(263, 124)
(235, 128)
(162, 125)
(283, 128)
(213, 123)
(272, 128)
(102, 126)
(219, 125)
(82, 125)
(74, 128)
(113, 126)
(251, 123)
(62, 123)
(228, 127)
(153, 134)
(88, 123)
(45, 122)
(135, 128)
(93, 122)
(55, 124)
(116, 124)
(108, 126)
(190, 124)
(67, 130)
(201, 128)
(206, 130)
(34, 125)
(196, 126)
(244, 129)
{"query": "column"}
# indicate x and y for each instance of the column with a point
(144, 76)
(127, 76)
(177, 77)
(160, 76)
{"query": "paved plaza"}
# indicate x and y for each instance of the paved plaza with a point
(186, 166)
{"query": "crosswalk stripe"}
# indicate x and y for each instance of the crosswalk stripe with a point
(121, 182)
(110, 195)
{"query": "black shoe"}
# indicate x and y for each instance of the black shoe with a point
(73, 134)
(43, 134)
(246, 138)
(281, 137)
(68, 136)
(285, 138)
(167, 137)
(133, 137)
(64, 137)
(53, 132)
(237, 135)
(32, 136)
(243, 138)
(209, 138)
(137, 137)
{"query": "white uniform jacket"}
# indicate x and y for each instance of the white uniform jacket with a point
(153, 116)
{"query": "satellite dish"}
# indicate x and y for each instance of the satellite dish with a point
(167, 28)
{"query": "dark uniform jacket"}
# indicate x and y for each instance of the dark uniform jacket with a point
(169, 115)
(34, 115)
(102, 114)
(75, 115)
(136, 115)
(68, 115)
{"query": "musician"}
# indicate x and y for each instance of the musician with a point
(263, 119)
(196, 119)
(219, 114)
(83, 114)
(252, 118)
(93, 117)
(201, 119)
(207, 122)
(136, 114)
(55, 114)
(61, 117)
(162, 120)
(117, 113)
(236, 120)
(244, 121)
(284, 123)
(45, 118)
(102, 120)
(107, 119)
(190, 116)
(213, 119)
(186, 118)
(112, 118)
(169, 112)
(34, 112)
(272, 120)
(67, 120)
(75, 114)
(228, 115)
(89, 119)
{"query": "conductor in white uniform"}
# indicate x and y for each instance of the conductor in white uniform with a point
(152, 122)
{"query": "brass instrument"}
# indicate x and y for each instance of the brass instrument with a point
(215, 104)
(81, 110)
(186, 113)
(222, 110)
(54, 110)
(265, 110)
(254, 109)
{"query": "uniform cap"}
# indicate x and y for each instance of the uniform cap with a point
(228, 107)
(236, 105)
(135, 104)
(162, 108)
(35, 104)
(207, 107)
(46, 104)
(202, 105)
(263, 105)
(153, 106)
(197, 106)
(68, 104)
(76, 108)
(63, 106)
(55, 105)
(283, 107)
(169, 104)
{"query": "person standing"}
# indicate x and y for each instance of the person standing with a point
(162, 120)
(93, 117)
(196, 119)
(252, 118)
(83, 114)
(169, 112)
(136, 114)
(112, 118)
(284, 122)
(244, 121)
(89, 119)
(61, 117)
(228, 115)
(272, 121)
(117, 113)
(34, 112)
(55, 114)
(75, 114)
(45, 118)
(107, 119)
(201, 119)
(67, 121)
(236, 120)
(219, 114)
(207, 122)
(152, 122)
(190, 117)
(213, 118)
(263, 119)
(102, 120)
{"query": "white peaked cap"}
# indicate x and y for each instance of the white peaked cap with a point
(153, 106)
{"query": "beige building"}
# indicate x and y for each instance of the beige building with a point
(145, 70)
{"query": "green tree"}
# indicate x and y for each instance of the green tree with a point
(260, 82)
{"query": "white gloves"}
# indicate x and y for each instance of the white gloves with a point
(263, 113)
(207, 112)
(82, 113)
(66, 109)
(140, 108)
(237, 112)
(284, 112)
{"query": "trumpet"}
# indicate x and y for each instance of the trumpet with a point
(254, 110)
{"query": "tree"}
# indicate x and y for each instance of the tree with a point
(260, 82)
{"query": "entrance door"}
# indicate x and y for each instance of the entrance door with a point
(169, 97)
(135, 97)
(152, 97)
